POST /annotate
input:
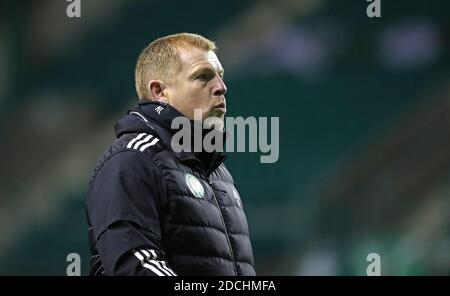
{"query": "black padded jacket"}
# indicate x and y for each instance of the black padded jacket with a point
(153, 211)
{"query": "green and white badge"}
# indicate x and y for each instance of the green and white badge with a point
(194, 185)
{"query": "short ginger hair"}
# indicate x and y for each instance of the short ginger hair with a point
(160, 59)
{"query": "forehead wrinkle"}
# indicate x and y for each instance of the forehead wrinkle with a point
(206, 64)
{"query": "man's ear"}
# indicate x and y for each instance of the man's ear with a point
(158, 91)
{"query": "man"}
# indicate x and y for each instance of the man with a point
(154, 211)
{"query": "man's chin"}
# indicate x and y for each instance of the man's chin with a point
(218, 112)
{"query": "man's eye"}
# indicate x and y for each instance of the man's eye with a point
(202, 77)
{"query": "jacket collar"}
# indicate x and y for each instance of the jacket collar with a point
(156, 117)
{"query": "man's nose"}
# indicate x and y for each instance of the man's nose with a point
(220, 88)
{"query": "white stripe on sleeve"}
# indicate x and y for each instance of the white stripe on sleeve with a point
(163, 263)
(146, 265)
(136, 146)
(130, 144)
(155, 140)
(154, 262)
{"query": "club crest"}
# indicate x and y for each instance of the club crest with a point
(194, 185)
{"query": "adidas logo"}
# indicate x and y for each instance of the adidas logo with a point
(141, 145)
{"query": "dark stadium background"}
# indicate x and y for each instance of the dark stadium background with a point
(364, 108)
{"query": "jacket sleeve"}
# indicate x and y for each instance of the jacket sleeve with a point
(124, 206)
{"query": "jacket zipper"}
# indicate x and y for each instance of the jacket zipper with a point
(223, 222)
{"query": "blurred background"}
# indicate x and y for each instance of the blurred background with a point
(364, 108)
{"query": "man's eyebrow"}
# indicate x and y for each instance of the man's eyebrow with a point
(206, 69)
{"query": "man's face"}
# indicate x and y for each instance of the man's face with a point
(199, 84)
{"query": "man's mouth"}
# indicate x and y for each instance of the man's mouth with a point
(220, 108)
